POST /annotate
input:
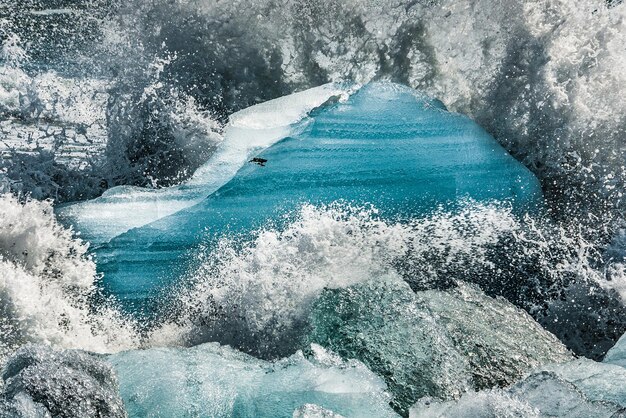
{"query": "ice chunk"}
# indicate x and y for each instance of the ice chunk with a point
(42, 382)
(598, 381)
(485, 404)
(579, 388)
(540, 395)
(386, 146)
(501, 341)
(435, 343)
(217, 380)
(250, 130)
(617, 354)
(556, 397)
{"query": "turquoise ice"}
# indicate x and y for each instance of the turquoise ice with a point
(386, 146)
(217, 381)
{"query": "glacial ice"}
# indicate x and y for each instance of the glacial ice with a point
(539, 395)
(617, 354)
(579, 388)
(314, 411)
(432, 343)
(215, 380)
(40, 382)
(386, 146)
(251, 130)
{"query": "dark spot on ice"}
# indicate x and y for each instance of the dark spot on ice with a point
(259, 161)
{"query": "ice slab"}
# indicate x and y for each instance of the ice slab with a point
(42, 382)
(385, 146)
(248, 131)
(221, 382)
(432, 343)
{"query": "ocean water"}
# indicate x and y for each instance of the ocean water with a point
(312, 208)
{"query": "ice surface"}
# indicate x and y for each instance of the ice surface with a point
(597, 381)
(40, 382)
(578, 388)
(314, 411)
(492, 403)
(617, 354)
(432, 343)
(216, 380)
(250, 130)
(540, 395)
(385, 146)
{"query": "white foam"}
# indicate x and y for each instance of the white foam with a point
(45, 283)
(266, 287)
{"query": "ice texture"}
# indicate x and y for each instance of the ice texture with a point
(216, 380)
(314, 411)
(597, 381)
(250, 130)
(432, 343)
(578, 388)
(386, 146)
(542, 394)
(40, 382)
(617, 354)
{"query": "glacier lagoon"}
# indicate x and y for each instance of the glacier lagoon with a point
(384, 145)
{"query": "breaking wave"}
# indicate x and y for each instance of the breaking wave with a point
(139, 94)
(257, 295)
(47, 283)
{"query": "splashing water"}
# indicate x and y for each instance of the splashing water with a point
(149, 101)
(46, 283)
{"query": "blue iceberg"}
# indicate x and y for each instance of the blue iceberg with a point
(217, 381)
(385, 146)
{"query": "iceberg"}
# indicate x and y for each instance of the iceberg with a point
(218, 381)
(386, 146)
(250, 130)
(431, 343)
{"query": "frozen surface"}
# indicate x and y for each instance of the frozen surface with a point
(251, 130)
(578, 388)
(386, 146)
(433, 343)
(542, 394)
(188, 382)
(617, 354)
